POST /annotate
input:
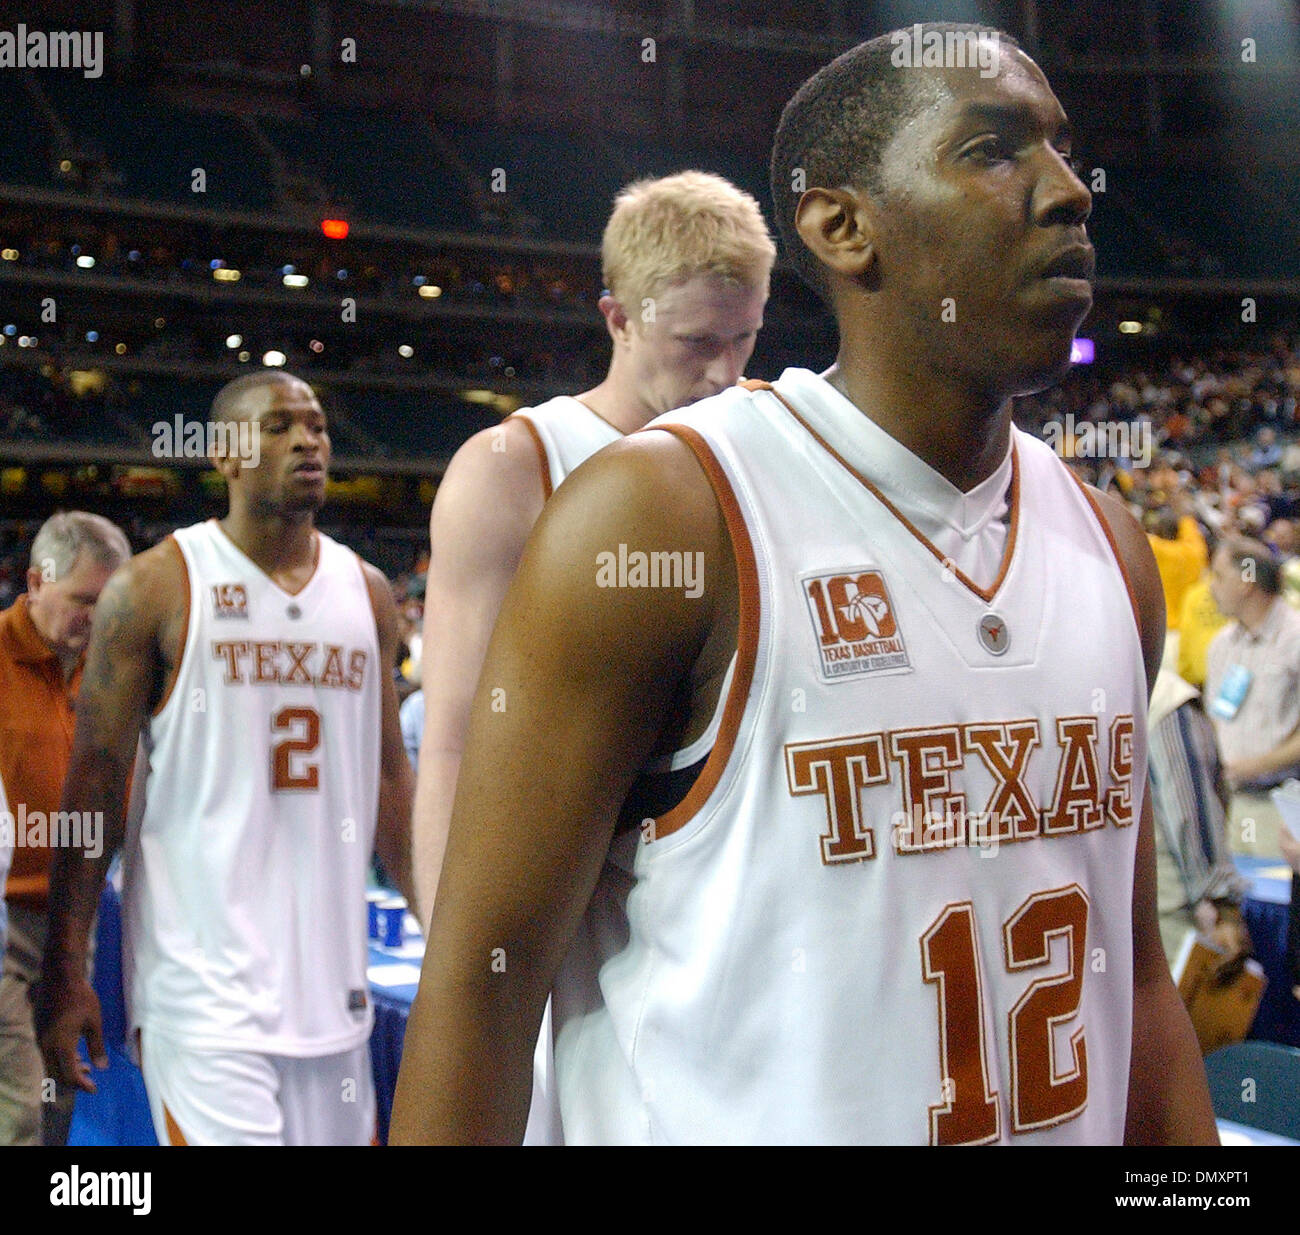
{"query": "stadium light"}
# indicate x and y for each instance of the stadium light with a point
(86, 262)
(234, 340)
(273, 359)
(226, 274)
(430, 291)
(334, 229)
(1130, 327)
(296, 280)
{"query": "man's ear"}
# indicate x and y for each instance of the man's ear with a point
(226, 464)
(616, 319)
(837, 227)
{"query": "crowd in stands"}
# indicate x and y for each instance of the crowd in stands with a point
(176, 255)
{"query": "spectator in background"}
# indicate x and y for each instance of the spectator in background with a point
(6, 852)
(411, 715)
(1267, 452)
(1180, 554)
(1252, 689)
(1291, 851)
(1196, 882)
(1280, 536)
(43, 638)
(1199, 623)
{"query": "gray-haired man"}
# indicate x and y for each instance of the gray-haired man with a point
(43, 637)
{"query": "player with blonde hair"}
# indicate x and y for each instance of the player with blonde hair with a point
(686, 261)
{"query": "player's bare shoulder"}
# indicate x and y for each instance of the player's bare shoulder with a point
(139, 628)
(496, 480)
(640, 498)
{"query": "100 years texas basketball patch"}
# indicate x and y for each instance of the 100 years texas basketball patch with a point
(854, 623)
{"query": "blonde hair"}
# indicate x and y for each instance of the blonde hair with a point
(668, 230)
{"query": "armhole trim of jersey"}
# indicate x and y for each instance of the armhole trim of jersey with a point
(361, 564)
(1114, 548)
(185, 627)
(543, 462)
(746, 635)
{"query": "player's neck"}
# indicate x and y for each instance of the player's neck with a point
(616, 401)
(278, 544)
(963, 437)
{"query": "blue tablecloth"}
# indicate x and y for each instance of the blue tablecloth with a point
(118, 1114)
(1265, 912)
(392, 1007)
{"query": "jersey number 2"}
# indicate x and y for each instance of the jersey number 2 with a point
(1045, 1090)
(303, 726)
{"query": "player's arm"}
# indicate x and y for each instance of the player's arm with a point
(396, 783)
(1284, 756)
(122, 678)
(1168, 1097)
(486, 506)
(573, 693)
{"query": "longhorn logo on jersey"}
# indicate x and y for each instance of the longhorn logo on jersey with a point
(854, 624)
(229, 600)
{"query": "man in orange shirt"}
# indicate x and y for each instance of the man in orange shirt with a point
(43, 637)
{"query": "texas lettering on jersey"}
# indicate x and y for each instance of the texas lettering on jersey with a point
(934, 812)
(290, 662)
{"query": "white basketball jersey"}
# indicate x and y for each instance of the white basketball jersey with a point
(251, 832)
(896, 905)
(567, 433)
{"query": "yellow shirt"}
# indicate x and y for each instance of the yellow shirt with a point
(1200, 622)
(1180, 563)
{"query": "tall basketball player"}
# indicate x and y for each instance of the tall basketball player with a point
(252, 655)
(896, 884)
(685, 261)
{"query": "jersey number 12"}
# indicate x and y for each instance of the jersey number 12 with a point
(1044, 1090)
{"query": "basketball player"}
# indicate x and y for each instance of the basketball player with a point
(686, 261)
(897, 881)
(252, 653)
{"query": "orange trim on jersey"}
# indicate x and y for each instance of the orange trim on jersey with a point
(542, 460)
(174, 1135)
(1114, 547)
(1008, 550)
(747, 635)
(185, 626)
(753, 383)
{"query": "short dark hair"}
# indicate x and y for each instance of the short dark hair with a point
(1263, 562)
(838, 124)
(228, 397)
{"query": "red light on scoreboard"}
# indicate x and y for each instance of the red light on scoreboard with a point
(335, 229)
